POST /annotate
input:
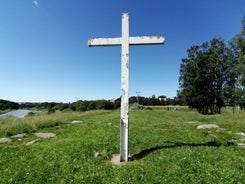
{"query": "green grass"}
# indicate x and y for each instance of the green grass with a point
(164, 143)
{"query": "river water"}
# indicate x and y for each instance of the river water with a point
(20, 113)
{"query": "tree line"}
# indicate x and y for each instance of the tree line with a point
(80, 105)
(213, 74)
(5, 104)
(86, 105)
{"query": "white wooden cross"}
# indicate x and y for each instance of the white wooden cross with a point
(125, 41)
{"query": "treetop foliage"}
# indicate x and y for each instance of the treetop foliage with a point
(213, 74)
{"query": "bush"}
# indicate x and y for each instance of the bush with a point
(136, 106)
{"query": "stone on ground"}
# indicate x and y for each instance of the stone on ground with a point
(115, 160)
(97, 154)
(31, 142)
(5, 140)
(241, 134)
(19, 135)
(76, 122)
(242, 145)
(45, 135)
(207, 126)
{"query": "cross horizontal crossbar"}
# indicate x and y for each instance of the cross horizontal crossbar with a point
(138, 40)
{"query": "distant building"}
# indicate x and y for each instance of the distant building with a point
(113, 100)
(162, 99)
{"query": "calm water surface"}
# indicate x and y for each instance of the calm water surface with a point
(20, 113)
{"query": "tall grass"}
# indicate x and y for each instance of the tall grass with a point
(30, 124)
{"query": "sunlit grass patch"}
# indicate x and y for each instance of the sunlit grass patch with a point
(165, 147)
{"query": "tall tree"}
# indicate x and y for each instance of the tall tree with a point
(203, 74)
(237, 45)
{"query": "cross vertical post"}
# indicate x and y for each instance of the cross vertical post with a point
(124, 89)
(125, 41)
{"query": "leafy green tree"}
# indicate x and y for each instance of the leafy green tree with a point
(237, 45)
(91, 105)
(83, 105)
(73, 107)
(5, 104)
(203, 74)
(104, 104)
(61, 106)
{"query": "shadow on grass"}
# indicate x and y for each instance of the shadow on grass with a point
(145, 152)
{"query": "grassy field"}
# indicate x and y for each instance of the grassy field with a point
(164, 144)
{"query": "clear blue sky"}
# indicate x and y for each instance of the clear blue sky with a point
(44, 54)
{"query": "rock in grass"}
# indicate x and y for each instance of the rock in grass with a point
(5, 140)
(97, 154)
(241, 134)
(31, 142)
(76, 122)
(45, 135)
(100, 155)
(242, 145)
(19, 135)
(115, 160)
(207, 126)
